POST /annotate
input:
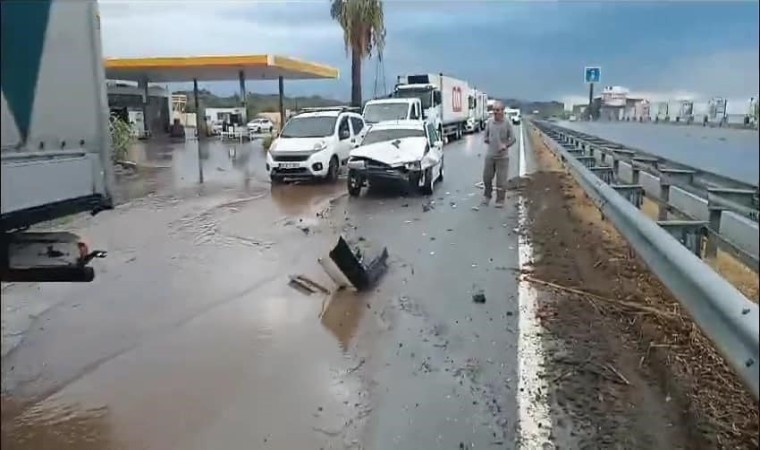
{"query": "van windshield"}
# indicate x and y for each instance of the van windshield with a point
(309, 127)
(378, 112)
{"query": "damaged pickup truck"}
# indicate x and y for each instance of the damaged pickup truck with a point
(405, 152)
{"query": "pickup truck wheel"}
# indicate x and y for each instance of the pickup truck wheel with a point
(355, 183)
(332, 170)
(427, 182)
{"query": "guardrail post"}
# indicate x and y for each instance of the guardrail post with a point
(588, 161)
(634, 193)
(662, 213)
(604, 172)
(621, 154)
(647, 161)
(715, 212)
(678, 175)
(687, 232)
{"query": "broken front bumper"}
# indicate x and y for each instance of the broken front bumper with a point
(375, 171)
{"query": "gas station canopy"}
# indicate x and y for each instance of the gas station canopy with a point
(215, 68)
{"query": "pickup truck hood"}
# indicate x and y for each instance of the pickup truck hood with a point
(393, 153)
(296, 144)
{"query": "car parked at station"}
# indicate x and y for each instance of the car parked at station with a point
(260, 125)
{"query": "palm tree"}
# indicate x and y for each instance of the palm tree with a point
(363, 32)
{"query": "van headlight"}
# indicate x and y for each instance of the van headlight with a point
(416, 165)
(319, 146)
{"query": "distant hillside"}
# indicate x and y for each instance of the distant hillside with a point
(545, 109)
(257, 103)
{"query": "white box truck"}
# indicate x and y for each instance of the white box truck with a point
(56, 143)
(478, 113)
(444, 101)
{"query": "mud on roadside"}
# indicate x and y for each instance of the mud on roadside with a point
(626, 367)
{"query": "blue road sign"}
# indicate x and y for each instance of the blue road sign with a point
(593, 74)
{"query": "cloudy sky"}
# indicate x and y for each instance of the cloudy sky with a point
(528, 49)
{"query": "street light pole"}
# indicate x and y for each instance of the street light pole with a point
(590, 100)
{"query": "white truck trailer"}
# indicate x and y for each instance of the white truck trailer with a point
(56, 143)
(444, 101)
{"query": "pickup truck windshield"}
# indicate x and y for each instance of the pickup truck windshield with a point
(425, 95)
(375, 136)
(309, 127)
(378, 112)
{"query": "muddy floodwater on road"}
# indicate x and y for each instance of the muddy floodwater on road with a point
(191, 337)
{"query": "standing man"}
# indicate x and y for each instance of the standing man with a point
(498, 137)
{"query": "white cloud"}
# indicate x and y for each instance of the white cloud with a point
(174, 28)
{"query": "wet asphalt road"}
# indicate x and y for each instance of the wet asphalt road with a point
(190, 336)
(728, 152)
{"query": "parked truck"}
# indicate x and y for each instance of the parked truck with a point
(444, 101)
(56, 143)
(478, 114)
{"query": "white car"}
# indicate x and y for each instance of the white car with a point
(514, 115)
(314, 144)
(409, 152)
(258, 126)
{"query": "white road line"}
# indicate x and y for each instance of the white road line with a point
(535, 420)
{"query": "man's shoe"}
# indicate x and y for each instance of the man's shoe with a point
(485, 202)
(499, 204)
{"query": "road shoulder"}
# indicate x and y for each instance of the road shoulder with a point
(626, 366)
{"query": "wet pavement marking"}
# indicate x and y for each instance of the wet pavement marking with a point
(534, 419)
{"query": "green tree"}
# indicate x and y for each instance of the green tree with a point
(363, 26)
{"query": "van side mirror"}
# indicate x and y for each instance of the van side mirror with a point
(344, 134)
(437, 97)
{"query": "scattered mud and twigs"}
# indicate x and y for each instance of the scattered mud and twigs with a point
(653, 379)
(612, 301)
(357, 366)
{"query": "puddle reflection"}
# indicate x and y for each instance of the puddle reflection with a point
(342, 315)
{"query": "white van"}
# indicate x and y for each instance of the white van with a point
(314, 144)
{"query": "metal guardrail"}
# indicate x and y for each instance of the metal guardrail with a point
(720, 193)
(728, 318)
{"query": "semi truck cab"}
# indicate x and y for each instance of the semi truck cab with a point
(444, 101)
